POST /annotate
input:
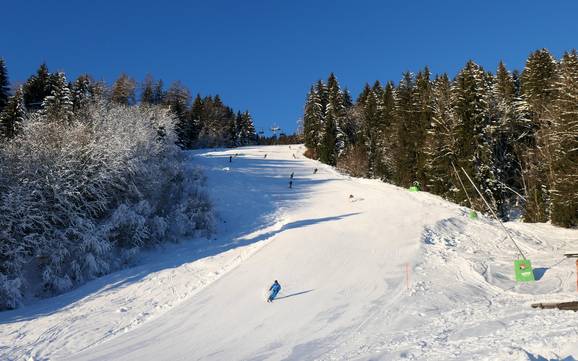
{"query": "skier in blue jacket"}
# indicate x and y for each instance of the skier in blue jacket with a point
(274, 290)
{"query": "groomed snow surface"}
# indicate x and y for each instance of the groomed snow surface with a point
(369, 272)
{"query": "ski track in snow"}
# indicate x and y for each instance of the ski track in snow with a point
(342, 264)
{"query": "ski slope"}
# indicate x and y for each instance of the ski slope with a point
(369, 272)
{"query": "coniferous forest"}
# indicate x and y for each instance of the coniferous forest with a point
(515, 133)
(89, 175)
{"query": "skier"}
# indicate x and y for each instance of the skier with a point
(265, 157)
(315, 171)
(230, 159)
(274, 290)
(292, 174)
(294, 157)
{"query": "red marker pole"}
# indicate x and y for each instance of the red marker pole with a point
(407, 273)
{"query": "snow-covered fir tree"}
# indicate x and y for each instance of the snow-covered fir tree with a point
(58, 105)
(470, 101)
(538, 78)
(246, 134)
(312, 120)
(36, 88)
(406, 140)
(372, 131)
(4, 85)
(440, 146)
(13, 115)
(563, 138)
(81, 93)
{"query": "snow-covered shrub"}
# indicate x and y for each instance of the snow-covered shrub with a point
(10, 292)
(80, 197)
(127, 228)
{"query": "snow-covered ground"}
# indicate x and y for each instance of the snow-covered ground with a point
(369, 272)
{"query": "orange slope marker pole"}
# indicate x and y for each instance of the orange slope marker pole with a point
(407, 273)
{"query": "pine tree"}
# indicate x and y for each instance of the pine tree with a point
(4, 85)
(372, 135)
(440, 146)
(159, 93)
(58, 105)
(335, 110)
(13, 115)
(123, 90)
(147, 90)
(216, 122)
(235, 130)
(322, 93)
(196, 117)
(364, 94)
(423, 95)
(537, 86)
(36, 88)
(347, 101)
(313, 121)
(406, 116)
(248, 133)
(327, 151)
(563, 137)
(538, 80)
(178, 99)
(388, 105)
(474, 129)
(387, 134)
(377, 89)
(510, 133)
(81, 93)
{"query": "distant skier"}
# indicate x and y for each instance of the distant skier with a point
(294, 157)
(315, 171)
(265, 157)
(292, 174)
(274, 290)
(230, 159)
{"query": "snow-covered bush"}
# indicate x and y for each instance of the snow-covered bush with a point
(10, 292)
(79, 197)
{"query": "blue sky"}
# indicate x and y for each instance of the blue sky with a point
(262, 55)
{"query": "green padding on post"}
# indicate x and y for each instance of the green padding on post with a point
(414, 189)
(523, 269)
(473, 215)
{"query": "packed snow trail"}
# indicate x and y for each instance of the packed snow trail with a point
(341, 248)
(338, 262)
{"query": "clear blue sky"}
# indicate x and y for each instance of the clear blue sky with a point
(262, 55)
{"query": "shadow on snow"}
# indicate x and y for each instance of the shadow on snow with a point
(294, 294)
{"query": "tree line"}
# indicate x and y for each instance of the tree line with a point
(202, 122)
(515, 133)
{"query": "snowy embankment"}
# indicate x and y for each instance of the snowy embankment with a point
(342, 248)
